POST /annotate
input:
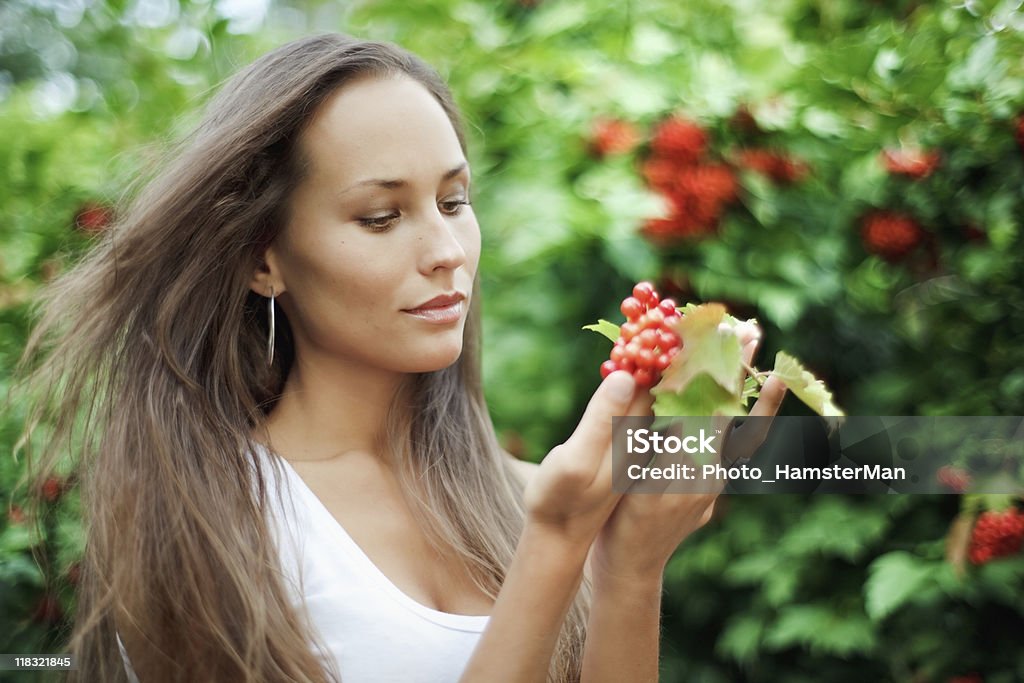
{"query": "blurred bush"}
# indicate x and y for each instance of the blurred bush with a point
(849, 172)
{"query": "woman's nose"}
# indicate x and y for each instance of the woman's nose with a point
(441, 244)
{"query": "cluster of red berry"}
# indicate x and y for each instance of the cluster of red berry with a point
(648, 340)
(890, 234)
(967, 678)
(697, 190)
(93, 217)
(910, 161)
(996, 534)
(53, 488)
(779, 166)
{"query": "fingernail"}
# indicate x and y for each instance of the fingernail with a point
(620, 386)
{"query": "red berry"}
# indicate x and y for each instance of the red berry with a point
(52, 489)
(93, 217)
(648, 338)
(779, 166)
(911, 162)
(644, 378)
(643, 292)
(666, 340)
(16, 515)
(608, 367)
(655, 317)
(968, 678)
(996, 534)
(631, 308)
(954, 478)
(618, 353)
(890, 234)
(629, 330)
(662, 362)
(645, 359)
(668, 307)
(613, 136)
(680, 140)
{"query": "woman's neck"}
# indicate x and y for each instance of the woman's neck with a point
(330, 407)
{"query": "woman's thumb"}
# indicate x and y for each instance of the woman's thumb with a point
(613, 397)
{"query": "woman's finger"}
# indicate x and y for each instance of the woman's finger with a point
(593, 436)
(618, 477)
(772, 393)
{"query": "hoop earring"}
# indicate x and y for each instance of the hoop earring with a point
(270, 337)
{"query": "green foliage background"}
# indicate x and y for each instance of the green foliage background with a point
(776, 588)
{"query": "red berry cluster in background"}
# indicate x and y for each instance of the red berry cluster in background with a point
(890, 234)
(954, 478)
(967, 678)
(911, 162)
(779, 166)
(648, 340)
(612, 136)
(92, 218)
(16, 515)
(53, 489)
(996, 534)
(697, 189)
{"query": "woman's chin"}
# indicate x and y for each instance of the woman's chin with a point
(434, 361)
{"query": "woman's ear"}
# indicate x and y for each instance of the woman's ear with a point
(266, 277)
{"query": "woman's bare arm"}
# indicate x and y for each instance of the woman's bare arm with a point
(521, 635)
(567, 500)
(623, 632)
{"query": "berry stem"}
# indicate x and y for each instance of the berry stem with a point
(759, 377)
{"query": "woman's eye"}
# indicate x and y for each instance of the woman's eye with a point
(378, 223)
(454, 207)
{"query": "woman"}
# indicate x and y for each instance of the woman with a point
(288, 470)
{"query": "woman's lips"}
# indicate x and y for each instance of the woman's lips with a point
(443, 315)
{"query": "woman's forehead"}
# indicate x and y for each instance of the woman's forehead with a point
(380, 127)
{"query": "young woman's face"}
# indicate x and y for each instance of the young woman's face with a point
(376, 264)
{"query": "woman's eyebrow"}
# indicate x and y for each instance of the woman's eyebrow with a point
(392, 184)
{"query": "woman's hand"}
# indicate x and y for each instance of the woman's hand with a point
(570, 495)
(644, 530)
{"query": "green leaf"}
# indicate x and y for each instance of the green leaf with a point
(894, 579)
(708, 349)
(821, 630)
(805, 385)
(608, 329)
(814, 534)
(741, 638)
(703, 395)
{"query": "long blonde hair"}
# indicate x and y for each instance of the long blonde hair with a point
(148, 367)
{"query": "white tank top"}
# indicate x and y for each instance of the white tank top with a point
(373, 632)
